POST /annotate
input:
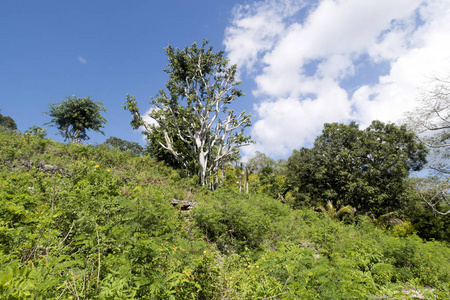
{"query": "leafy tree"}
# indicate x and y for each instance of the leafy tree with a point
(124, 145)
(252, 166)
(195, 109)
(7, 122)
(37, 131)
(259, 161)
(74, 116)
(154, 139)
(366, 169)
(269, 173)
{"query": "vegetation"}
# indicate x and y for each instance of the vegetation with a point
(366, 169)
(7, 122)
(37, 131)
(342, 220)
(154, 138)
(85, 222)
(430, 122)
(74, 116)
(195, 110)
(124, 145)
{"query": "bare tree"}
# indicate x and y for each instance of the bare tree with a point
(195, 111)
(431, 122)
(434, 192)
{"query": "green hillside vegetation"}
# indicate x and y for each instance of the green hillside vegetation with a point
(93, 222)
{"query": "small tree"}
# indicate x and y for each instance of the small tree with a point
(195, 110)
(7, 122)
(333, 213)
(134, 148)
(37, 131)
(74, 116)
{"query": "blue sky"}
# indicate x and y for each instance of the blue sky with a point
(302, 63)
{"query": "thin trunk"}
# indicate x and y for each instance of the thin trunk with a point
(246, 181)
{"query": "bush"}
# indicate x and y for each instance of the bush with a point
(98, 224)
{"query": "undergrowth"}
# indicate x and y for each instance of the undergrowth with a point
(88, 222)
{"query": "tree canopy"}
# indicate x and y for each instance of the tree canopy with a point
(74, 116)
(37, 131)
(7, 122)
(366, 169)
(155, 137)
(194, 109)
(123, 145)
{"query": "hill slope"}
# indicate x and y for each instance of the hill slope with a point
(84, 222)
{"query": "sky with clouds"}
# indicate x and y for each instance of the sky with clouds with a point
(335, 61)
(302, 63)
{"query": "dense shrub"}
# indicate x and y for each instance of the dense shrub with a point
(90, 223)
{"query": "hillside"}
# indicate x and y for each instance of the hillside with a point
(88, 222)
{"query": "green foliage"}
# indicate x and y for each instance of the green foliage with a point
(425, 222)
(74, 116)
(37, 131)
(7, 122)
(155, 150)
(234, 221)
(123, 145)
(193, 114)
(84, 222)
(366, 169)
(333, 213)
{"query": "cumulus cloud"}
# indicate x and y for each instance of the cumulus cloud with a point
(255, 28)
(307, 59)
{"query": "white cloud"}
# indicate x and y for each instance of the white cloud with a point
(286, 123)
(396, 92)
(301, 60)
(147, 119)
(255, 28)
(82, 60)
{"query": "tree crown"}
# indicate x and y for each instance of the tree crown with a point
(74, 116)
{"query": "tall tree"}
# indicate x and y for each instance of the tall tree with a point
(366, 169)
(74, 116)
(430, 120)
(195, 110)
